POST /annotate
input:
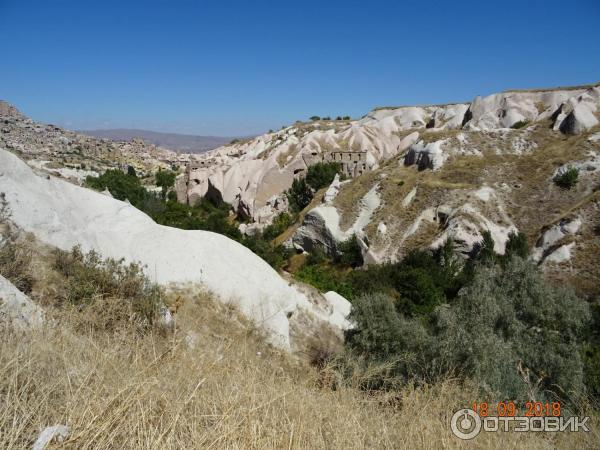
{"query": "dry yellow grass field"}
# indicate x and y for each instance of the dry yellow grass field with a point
(213, 383)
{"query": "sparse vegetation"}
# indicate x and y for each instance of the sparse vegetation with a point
(520, 124)
(568, 178)
(15, 262)
(114, 291)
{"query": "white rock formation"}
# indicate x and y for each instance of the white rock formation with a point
(426, 156)
(548, 248)
(16, 308)
(64, 215)
(56, 432)
(249, 173)
(321, 226)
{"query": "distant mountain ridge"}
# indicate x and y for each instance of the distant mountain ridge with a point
(187, 143)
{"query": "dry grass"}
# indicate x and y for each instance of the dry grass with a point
(120, 390)
(210, 382)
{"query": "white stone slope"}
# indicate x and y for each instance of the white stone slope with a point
(16, 309)
(321, 226)
(250, 174)
(64, 215)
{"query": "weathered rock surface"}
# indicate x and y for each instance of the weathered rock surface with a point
(16, 308)
(63, 215)
(251, 172)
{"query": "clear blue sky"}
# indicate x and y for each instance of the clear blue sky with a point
(242, 67)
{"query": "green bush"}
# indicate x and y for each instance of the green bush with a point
(326, 278)
(15, 263)
(568, 178)
(320, 175)
(281, 223)
(315, 118)
(131, 171)
(299, 195)
(120, 185)
(520, 124)
(165, 179)
(508, 330)
(516, 245)
(350, 252)
(91, 280)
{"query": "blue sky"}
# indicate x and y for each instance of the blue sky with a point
(242, 67)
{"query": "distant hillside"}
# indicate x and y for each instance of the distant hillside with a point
(185, 142)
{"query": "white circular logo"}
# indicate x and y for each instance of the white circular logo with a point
(465, 424)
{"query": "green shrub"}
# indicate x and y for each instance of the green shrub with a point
(315, 118)
(89, 279)
(568, 178)
(325, 278)
(516, 245)
(120, 185)
(131, 171)
(520, 124)
(165, 179)
(15, 263)
(281, 223)
(350, 252)
(508, 330)
(299, 195)
(320, 175)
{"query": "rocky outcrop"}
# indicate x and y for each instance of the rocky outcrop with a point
(251, 172)
(551, 245)
(426, 156)
(578, 120)
(321, 228)
(16, 308)
(63, 215)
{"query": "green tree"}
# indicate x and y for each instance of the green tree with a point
(131, 171)
(299, 195)
(350, 252)
(165, 179)
(322, 174)
(120, 185)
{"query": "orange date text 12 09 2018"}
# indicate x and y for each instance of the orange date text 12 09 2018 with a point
(513, 409)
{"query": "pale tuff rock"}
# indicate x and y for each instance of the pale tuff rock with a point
(57, 433)
(332, 190)
(580, 119)
(382, 228)
(484, 193)
(247, 174)
(465, 224)
(549, 242)
(63, 215)
(409, 197)
(321, 226)
(340, 309)
(561, 254)
(16, 308)
(592, 164)
(426, 156)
